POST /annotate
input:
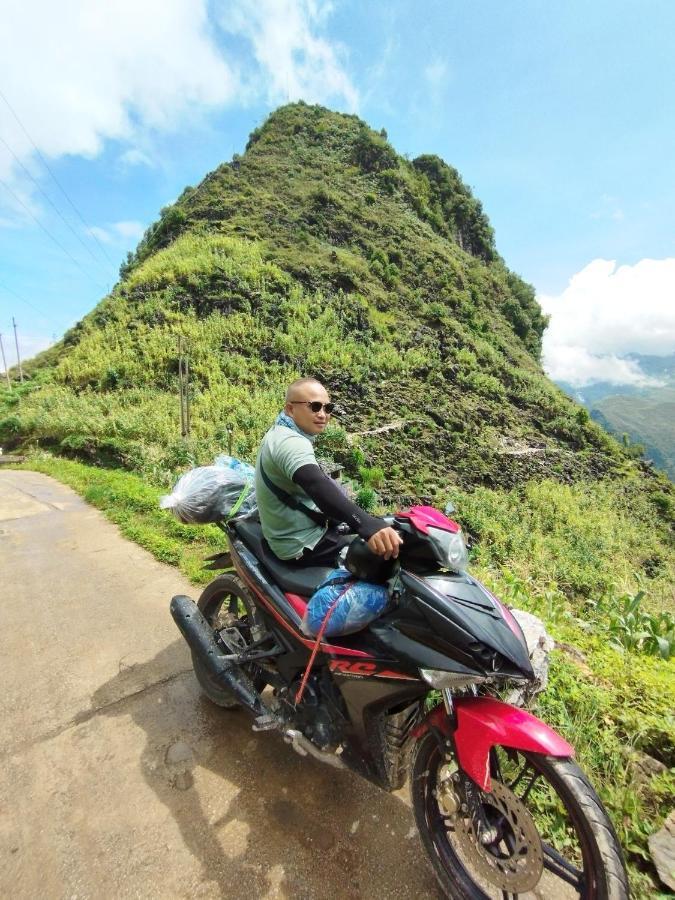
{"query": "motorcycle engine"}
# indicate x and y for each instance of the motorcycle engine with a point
(312, 716)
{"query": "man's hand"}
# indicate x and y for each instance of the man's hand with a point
(386, 542)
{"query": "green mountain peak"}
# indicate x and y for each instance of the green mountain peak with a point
(321, 251)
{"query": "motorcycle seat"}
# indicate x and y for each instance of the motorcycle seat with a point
(291, 579)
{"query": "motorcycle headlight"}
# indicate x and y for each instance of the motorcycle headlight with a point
(439, 679)
(450, 548)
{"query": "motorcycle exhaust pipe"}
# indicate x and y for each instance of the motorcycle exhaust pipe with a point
(303, 746)
(201, 640)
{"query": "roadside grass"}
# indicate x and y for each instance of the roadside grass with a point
(613, 705)
(583, 545)
(133, 505)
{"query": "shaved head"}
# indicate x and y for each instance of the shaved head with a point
(299, 397)
(298, 389)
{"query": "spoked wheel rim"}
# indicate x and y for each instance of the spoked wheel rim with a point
(505, 852)
(227, 606)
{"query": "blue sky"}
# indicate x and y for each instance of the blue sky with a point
(559, 115)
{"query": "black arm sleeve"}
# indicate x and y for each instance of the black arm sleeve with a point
(331, 501)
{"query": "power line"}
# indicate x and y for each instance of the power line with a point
(53, 205)
(56, 181)
(49, 234)
(27, 302)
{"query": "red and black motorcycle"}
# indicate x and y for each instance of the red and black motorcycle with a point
(501, 807)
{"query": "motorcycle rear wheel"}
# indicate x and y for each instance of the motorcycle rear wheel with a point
(539, 795)
(225, 602)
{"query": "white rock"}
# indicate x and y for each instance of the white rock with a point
(662, 849)
(539, 645)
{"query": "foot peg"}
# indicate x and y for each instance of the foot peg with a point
(266, 722)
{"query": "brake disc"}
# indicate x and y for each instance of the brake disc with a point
(508, 852)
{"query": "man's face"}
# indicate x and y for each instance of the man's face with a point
(308, 421)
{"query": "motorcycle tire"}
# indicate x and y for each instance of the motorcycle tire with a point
(592, 855)
(224, 602)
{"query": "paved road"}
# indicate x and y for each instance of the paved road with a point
(117, 779)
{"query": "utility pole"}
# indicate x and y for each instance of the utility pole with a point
(16, 341)
(184, 388)
(4, 364)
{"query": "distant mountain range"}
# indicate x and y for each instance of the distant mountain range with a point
(645, 414)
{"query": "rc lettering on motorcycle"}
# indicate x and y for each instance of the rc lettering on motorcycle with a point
(501, 807)
(347, 667)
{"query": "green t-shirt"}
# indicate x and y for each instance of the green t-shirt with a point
(288, 531)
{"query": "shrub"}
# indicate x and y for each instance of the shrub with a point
(632, 628)
(373, 153)
(366, 498)
(10, 428)
(371, 477)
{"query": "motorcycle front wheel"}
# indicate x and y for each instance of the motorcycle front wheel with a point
(541, 832)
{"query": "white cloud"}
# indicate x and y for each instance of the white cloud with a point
(295, 63)
(79, 73)
(29, 346)
(129, 229)
(117, 230)
(102, 234)
(578, 367)
(605, 313)
(135, 157)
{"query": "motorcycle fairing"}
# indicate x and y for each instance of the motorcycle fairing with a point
(426, 517)
(464, 614)
(483, 722)
(369, 705)
(402, 641)
(285, 609)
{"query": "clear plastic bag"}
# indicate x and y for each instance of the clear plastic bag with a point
(212, 493)
(358, 604)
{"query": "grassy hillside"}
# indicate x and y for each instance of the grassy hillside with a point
(319, 250)
(322, 252)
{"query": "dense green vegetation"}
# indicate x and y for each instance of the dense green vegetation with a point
(318, 250)
(322, 252)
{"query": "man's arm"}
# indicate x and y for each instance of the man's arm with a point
(382, 539)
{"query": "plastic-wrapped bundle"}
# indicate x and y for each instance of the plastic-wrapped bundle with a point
(212, 493)
(358, 604)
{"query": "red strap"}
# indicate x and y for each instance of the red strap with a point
(315, 649)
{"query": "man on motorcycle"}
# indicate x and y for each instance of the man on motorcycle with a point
(296, 499)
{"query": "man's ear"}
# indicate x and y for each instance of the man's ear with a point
(288, 409)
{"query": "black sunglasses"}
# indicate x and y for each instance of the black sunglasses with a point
(316, 406)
